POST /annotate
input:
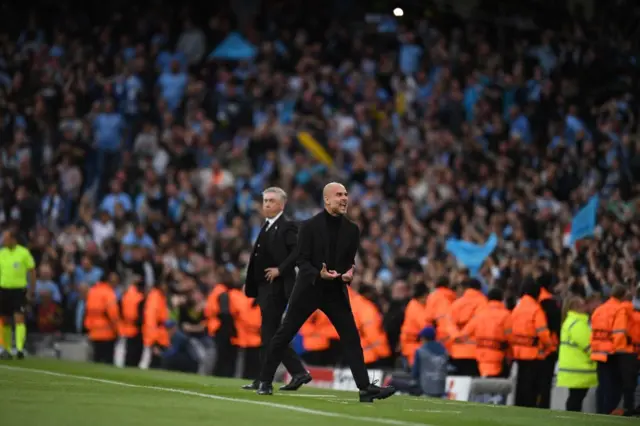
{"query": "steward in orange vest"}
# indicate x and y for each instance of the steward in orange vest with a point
(247, 319)
(635, 321)
(155, 336)
(373, 339)
(489, 329)
(463, 351)
(318, 337)
(553, 313)
(221, 327)
(132, 314)
(438, 306)
(530, 342)
(102, 319)
(415, 319)
(612, 348)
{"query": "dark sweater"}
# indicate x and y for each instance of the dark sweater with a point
(333, 227)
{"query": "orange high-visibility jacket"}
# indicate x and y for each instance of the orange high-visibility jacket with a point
(132, 312)
(610, 330)
(247, 318)
(438, 306)
(317, 332)
(373, 338)
(156, 314)
(415, 319)
(102, 316)
(634, 330)
(462, 311)
(529, 337)
(489, 329)
(555, 339)
(212, 308)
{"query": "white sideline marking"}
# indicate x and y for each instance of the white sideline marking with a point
(433, 411)
(306, 395)
(220, 398)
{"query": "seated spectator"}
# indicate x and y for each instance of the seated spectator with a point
(45, 282)
(431, 365)
(180, 355)
(49, 315)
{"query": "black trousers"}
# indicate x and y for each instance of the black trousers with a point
(332, 299)
(627, 365)
(133, 351)
(610, 385)
(273, 299)
(526, 383)
(251, 363)
(545, 380)
(226, 357)
(574, 401)
(103, 351)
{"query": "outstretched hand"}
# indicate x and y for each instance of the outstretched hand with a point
(348, 276)
(328, 275)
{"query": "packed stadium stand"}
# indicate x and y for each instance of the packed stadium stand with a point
(136, 139)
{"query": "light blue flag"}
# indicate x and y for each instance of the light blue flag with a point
(471, 255)
(234, 48)
(583, 224)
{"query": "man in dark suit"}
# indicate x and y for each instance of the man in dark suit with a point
(327, 247)
(270, 279)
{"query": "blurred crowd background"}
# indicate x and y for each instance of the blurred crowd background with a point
(132, 150)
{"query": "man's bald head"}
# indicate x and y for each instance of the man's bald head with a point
(336, 199)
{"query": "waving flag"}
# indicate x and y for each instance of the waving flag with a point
(471, 255)
(583, 224)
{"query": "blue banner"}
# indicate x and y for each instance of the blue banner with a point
(583, 224)
(471, 255)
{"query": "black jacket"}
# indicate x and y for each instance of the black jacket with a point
(313, 248)
(281, 240)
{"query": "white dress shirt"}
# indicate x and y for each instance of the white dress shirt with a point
(271, 221)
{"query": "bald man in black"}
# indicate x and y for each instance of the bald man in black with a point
(327, 247)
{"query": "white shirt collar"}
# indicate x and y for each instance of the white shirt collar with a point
(274, 219)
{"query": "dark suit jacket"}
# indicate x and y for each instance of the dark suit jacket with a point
(313, 248)
(281, 242)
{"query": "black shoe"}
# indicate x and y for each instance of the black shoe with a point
(20, 355)
(376, 392)
(5, 356)
(297, 381)
(251, 386)
(265, 388)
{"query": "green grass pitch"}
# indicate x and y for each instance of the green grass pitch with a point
(39, 392)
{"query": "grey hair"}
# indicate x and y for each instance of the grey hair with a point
(276, 190)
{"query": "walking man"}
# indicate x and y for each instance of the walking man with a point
(327, 246)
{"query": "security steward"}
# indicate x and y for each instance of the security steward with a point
(415, 319)
(17, 283)
(438, 307)
(530, 342)
(102, 319)
(319, 339)
(489, 329)
(463, 351)
(576, 370)
(132, 314)
(612, 349)
(553, 313)
(155, 336)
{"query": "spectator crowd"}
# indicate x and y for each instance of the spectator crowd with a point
(129, 154)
